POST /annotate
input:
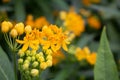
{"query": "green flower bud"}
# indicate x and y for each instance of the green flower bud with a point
(35, 64)
(33, 58)
(27, 61)
(41, 53)
(27, 53)
(29, 58)
(21, 53)
(37, 56)
(25, 66)
(33, 52)
(20, 61)
(34, 72)
(27, 72)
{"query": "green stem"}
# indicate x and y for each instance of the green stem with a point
(15, 65)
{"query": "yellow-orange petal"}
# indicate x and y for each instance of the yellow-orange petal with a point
(20, 41)
(64, 46)
(25, 47)
(91, 58)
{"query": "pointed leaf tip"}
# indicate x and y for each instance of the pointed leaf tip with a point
(105, 67)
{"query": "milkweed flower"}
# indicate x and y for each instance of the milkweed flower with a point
(94, 22)
(37, 23)
(85, 54)
(29, 41)
(73, 22)
(54, 38)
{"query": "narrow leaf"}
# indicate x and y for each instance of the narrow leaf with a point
(19, 10)
(6, 70)
(105, 67)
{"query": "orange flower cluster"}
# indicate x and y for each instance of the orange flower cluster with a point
(37, 23)
(94, 22)
(73, 22)
(49, 37)
(85, 54)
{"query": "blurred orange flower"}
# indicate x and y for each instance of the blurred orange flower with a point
(94, 22)
(37, 23)
(57, 57)
(89, 2)
(85, 54)
(73, 22)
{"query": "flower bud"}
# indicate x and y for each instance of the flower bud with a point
(41, 59)
(29, 58)
(49, 51)
(49, 63)
(20, 28)
(49, 57)
(41, 53)
(63, 15)
(27, 53)
(21, 53)
(28, 29)
(33, 58)
(37, 56)
(10, 25)
(35, 64)
(33, 52)
(34, 72)
(25, 66)
(13, 33)
(20, 61)
(43, 65)
(5, 27)
(27, 72)
(27, 61)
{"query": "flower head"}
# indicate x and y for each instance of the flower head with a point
(85, 54)
(37, 23)
(74, 22)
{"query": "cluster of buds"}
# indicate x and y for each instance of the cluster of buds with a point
(7, 26)
(31, 62)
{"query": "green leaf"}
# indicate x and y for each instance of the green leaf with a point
(61, 4)
(6, 70)
(105, 67)
(108, 12)
(19, 10)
